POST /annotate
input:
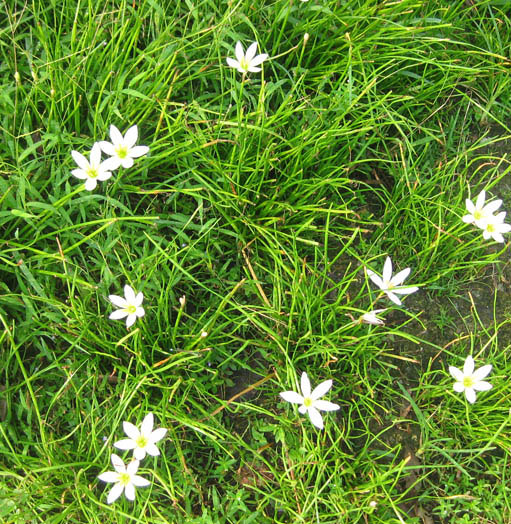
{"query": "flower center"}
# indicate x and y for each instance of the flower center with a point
(131, 309)
(124, 479)
(490, 228)
(122, 151)
(477, 214)
(468, 382)
(141, 441)
(307, 402)
(92, 172)
(244, 64)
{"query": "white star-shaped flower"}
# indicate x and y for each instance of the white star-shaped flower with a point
(141, 441)
(125, 479)
(310, 402)
(480, 214)
(469, 380)
(247, 62)
(371, 317)
(495, 226)
(122, 149)
(390, 284)
(130, 306)
(92, 170)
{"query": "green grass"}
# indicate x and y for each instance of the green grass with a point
(262, 202)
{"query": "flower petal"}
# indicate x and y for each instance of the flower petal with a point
(157, 435)
(104, 175)
(147, 424)
(482, 372)
(375, 278)
(456, 373)
(118, 314)
(95, 155)
(405, 290)
(109, 476)
(90, 184)
(232, 63)
(468, 366)
(130, 320)
(393, 297)
(137, 151)
(107, 148)
(139, 453)
(492, 206)
(129, 491)
(139, 481)
(118, 463)
(238, 51)
(458, 387)
(259, 59)
(398, 278)
(117, 301)
(116, 136)
(125, 444)
(480, 199)
(79, 173)
(482, 385)
(152, 450)
(305, 385)
(321, 389)
(129, 294)
(132, 467)
(470, 394)
(138, 299)
(316, 417)
(82, 162)
(387, 270)
(303, 409)
(251, 52)
(115, 493)
(140, 312)
(292, 396)
(127, 162)
(325, 405)
(131, 430)
(131, 136)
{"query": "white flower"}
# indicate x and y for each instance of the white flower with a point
(247, 62)
(123, 150)
(390, 284)
(309, 401)
(142, 441)
(371, 318)
(469, 380)
(130, 306)
(494, 227)
(125, 479)
(92, 170)
(479, 213)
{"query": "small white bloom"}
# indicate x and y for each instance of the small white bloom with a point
(123, 150)
(469, 380)
(495, 226)
(141, 441)
(480, 214)
(390, 284)
(310, 402)
(130, 306)
(125, 479)
(371, 317)
(92, 170)
(247, 62)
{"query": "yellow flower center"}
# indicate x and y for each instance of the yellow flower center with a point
(131, 309)
(468, 382)
(490, 228)
(141, 441)
(122, 151)
(92, 172)
(307, 402)
(478, 215)
(124, 479)
(244, 64)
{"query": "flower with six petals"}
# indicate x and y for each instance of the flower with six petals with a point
(93, 169)
(495, 226)
(122, 149)
(247, 62)
(389, 284)
(142, 441)
(131, 307)
(469, 380)
(310, 402)
(478, 213)
(125, 479)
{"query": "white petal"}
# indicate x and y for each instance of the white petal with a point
(482, 372)
(95, 155)
(82, 162)
(130, 320)
(104, 175)
(152, 450)
(138, 299)
(115, 493)
(468, 366)
(492, 206)
(470, 206)
(127, 162)
(90, 184)
(118, 463)
(109, 476)
(117, 301)
(238, 51)
(325, 405)
(405, 290)
(393, 297)
(259, 59)
(129, 491)
(147, 424)
(468, 219)
(252, 69)
(118, 314)
(480, 199)
(232, 63)
(292, 396)
(125, 444)
(497, 237)
(316, 417)
(137, 151)
(79, 173)
(321, 389)
(387, 270)
(305, 385)
(129, 294)
(482, 385)
(107, 148)
(456, 373)
(251, 52)
(470, 394)
(302, 409)
(131, 430)
(116, 136)
(139, 453)
(375, 278)
(110, 164)
(132, 467)
(131, 136)
(458, 387)
(140, 312)
(158, 434)
(139, 481)
(400, 277)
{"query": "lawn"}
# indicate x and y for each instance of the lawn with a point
(187, 236)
